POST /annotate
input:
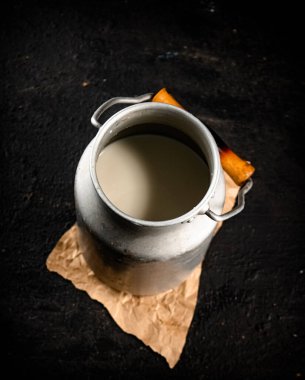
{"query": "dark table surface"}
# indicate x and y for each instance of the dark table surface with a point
(238, 67)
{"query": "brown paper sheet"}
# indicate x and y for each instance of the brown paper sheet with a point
(161, 321)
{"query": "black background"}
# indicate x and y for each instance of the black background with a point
(238, 66)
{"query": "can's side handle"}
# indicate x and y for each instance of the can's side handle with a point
(237, 209)
(111, 102)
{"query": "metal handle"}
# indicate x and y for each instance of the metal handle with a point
(113, 101)
(143, 98)
(240, 204)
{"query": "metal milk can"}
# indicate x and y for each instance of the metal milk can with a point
(140, 256)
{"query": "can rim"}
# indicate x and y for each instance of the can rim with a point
(214, 163)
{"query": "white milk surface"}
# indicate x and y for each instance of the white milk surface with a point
(152, 177)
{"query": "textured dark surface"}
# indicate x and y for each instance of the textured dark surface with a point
(241, 70)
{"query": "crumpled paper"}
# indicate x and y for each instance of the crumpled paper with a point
(161, 321)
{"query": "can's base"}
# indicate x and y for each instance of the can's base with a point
(142, 279)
